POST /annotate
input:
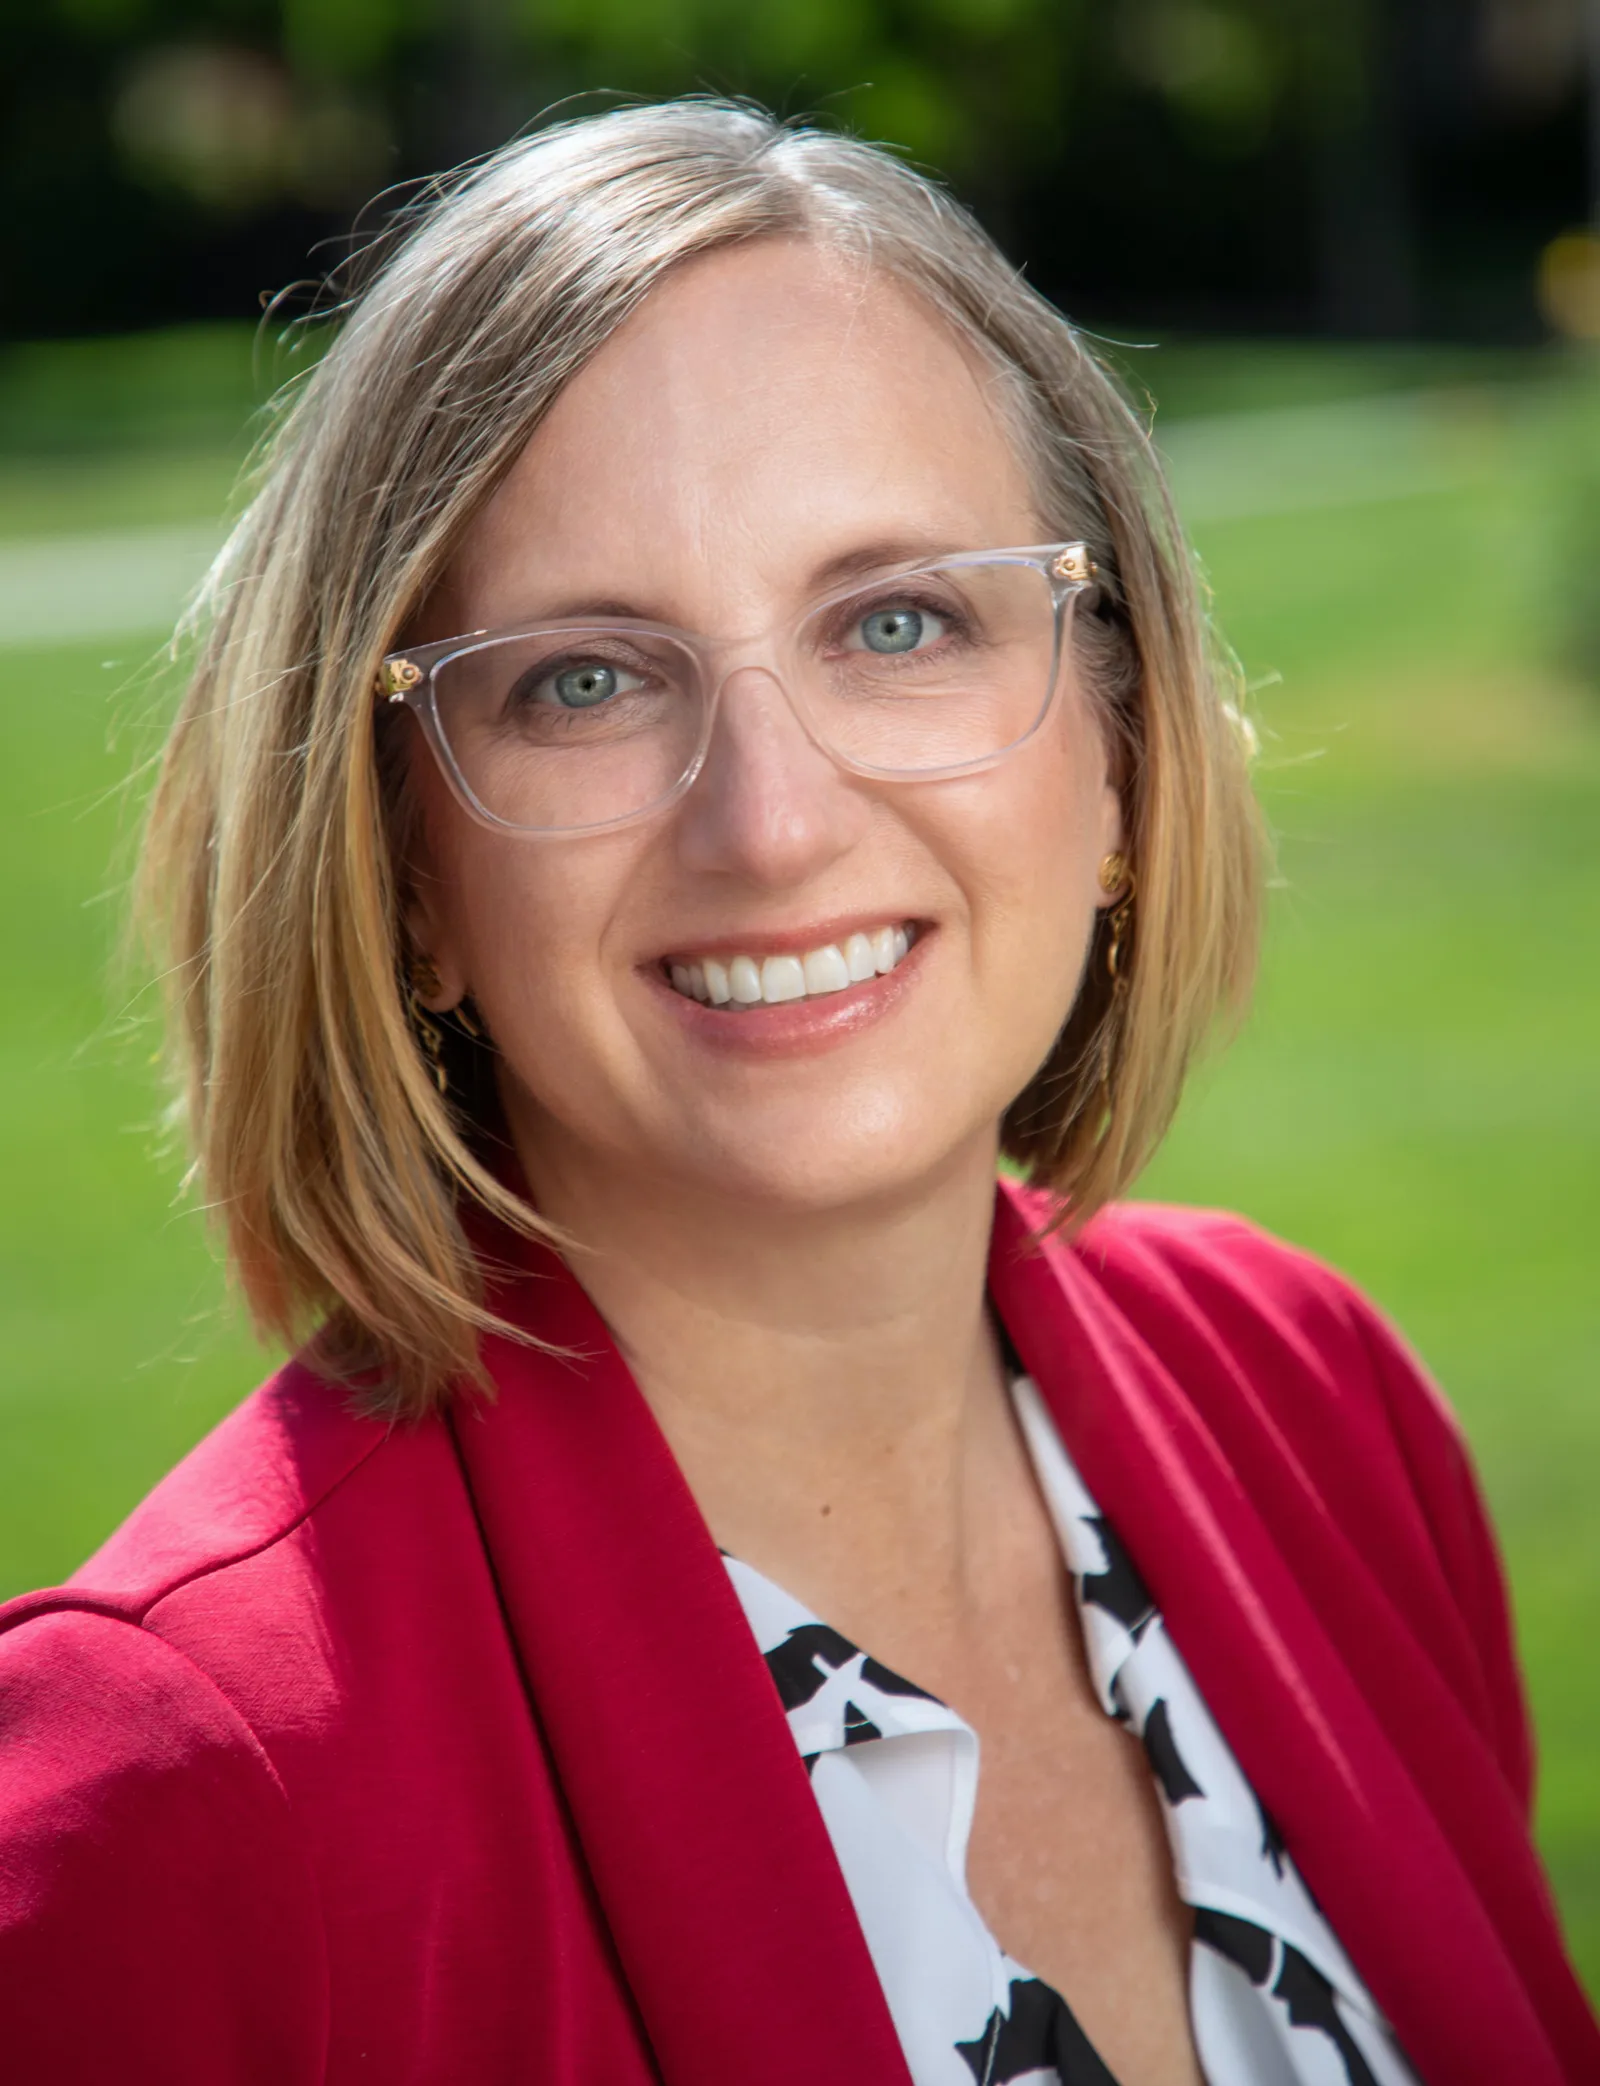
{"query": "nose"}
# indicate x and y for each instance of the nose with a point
(768, 807)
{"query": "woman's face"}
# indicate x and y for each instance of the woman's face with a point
(770, 413)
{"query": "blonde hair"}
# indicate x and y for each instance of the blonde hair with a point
(272, 876)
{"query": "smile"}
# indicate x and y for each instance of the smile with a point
(754, 980)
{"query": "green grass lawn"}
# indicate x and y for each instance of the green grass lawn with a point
(1416, 1095)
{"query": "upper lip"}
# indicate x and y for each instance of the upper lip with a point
(786, 941)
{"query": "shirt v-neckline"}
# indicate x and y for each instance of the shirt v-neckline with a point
(1257, 1927)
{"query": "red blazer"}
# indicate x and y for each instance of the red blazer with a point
(443, 1753)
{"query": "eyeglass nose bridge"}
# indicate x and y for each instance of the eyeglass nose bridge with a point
(725, 664)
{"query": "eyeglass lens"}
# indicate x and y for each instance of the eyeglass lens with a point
(560, 729)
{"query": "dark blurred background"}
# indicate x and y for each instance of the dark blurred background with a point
(1390, 168)
(1344, 251)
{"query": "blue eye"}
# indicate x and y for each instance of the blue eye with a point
(582, 684)
(580, 687)
(900, 628)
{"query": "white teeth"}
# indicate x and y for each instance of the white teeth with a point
(782, 978)
(748, 981)
(744, 981)
(860, 959)
(826, 971)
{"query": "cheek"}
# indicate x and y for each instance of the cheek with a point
(529, 934)
(535, 926)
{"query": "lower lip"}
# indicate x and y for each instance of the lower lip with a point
(794, 1028)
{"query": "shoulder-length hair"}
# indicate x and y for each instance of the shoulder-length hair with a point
(273, 876)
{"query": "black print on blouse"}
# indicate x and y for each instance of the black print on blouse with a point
(1040, 2031)
(797, 1666)
(1119, 1704)
(890, 1683)
(858, 1726)
(1273, 1845)
(1243, 1943)
(1306, 1994)
(1177, 1784)
(1309, 1997)
(1118, 1589)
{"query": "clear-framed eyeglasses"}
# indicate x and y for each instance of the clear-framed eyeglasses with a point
(925, 671)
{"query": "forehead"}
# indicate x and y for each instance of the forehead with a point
(770, 408)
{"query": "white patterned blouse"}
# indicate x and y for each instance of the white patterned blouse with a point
(1273, 1998)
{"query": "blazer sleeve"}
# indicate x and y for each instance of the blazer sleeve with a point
(1446, 1488)
(157, 1920)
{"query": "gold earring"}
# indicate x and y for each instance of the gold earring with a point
(425, 984)
(1113, 873)
(1118, 923)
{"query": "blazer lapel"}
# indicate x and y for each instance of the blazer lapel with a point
(707, 1851)
(1328, 1771)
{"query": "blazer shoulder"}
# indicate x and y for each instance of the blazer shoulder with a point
(259, 1473)
(143, 1828)
(1267, 1327)
(1243, 1279)
(1196, 1244)
(93, 1700)
(1293, 1323)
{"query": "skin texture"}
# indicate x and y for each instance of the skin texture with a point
(789, 1240)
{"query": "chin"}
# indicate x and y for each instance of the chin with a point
(809, 1166)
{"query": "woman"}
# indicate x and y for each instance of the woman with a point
(602, 1028)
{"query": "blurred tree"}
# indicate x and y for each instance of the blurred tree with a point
(1356, 75)
(1381, 165)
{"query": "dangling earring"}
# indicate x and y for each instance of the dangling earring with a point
(1121, 920)
(1115, 875)
(423, 984)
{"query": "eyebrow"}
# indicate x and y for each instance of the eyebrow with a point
(837, 571)
(876, 555)
(606, 608)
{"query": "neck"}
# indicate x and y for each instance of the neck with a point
(817, 1373)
